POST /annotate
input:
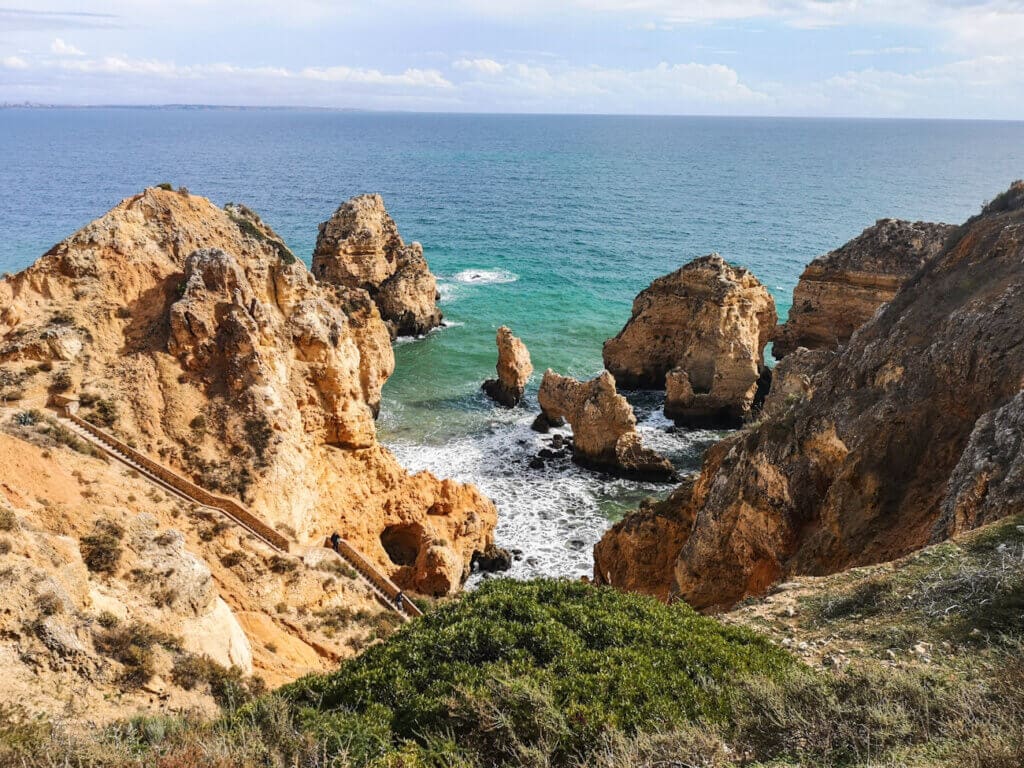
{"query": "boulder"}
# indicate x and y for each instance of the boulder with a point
(603, 426)
(840, 291)
(706, 324)
(360, 247)
(907, 435)
(514, 370)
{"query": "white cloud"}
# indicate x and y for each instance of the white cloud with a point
(671, 88)
(483, 66)
(60, 48)
(14, 62)
(428, 78)
(891, 51)
(121, 65)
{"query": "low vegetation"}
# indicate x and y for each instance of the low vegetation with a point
(556, 673)
(101, 550)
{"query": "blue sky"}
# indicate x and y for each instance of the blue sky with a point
(871, 58)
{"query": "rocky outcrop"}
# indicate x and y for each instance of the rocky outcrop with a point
(638, 553)
(908, 434)
(840, 291)
(359, 247)
(208, 346)
(699, 333)
(514, 370)
(603, 426)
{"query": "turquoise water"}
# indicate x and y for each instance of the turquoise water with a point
(548, 224)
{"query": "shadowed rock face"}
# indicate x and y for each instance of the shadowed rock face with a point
(699, 333)
(230, 362)
(359, 247)
(514, 370)
(603, 426)
(840, 291)
(908, 434)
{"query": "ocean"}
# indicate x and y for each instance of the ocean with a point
(548, 224)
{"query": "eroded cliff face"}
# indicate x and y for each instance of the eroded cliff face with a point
(840, 291)
(699, 333)
(603, 426)
(514, 370)
(908, 434)
(193, 333)
(360, 247)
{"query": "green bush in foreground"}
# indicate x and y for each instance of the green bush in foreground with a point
(548, 665)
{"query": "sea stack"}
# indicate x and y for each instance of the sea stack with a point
(360, 247)
(514, 370)
(840, 291)
(603, 426)
(699, 333)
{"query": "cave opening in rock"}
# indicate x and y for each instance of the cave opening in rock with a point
(402, 543)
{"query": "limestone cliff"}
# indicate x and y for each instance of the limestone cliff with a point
(840, 291)
(909, 434)
(603, 426)
(699, 333)
(360, 247)
(194, 334)
(514, 370)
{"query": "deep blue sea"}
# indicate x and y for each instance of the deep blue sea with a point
(549, 224)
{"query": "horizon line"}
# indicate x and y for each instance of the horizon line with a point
(370, 110)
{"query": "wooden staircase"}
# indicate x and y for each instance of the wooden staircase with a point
(385, 590)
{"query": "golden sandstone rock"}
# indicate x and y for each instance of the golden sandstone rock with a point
(603, 426)
(840, 291)
(514, 370)
(908, 434)
(359, 247)
(699, 333)
(226, 359)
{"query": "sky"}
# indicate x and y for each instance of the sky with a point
(859, 58)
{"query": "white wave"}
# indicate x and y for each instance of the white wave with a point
(444, 324)
(484, 276)
(554, 515)
(448, 292)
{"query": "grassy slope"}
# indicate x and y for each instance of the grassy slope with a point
(911, 663)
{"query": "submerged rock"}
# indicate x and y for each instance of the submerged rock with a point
(699, 333)
(493, 559)
(359, 247)
(514, 370)
(603, 426)
(840, 291)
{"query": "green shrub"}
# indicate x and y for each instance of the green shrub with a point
(133, 646)
(228, 686)
(105, 413)
(49, 604)
(553, 664)
(166, 186)
(8, 520)
(101, 550)
(61, 381)
(258, 434)
(233, 558)
(27, 418)
(281, 564)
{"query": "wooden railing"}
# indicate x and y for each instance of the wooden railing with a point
(187, 488)
(385, 589)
